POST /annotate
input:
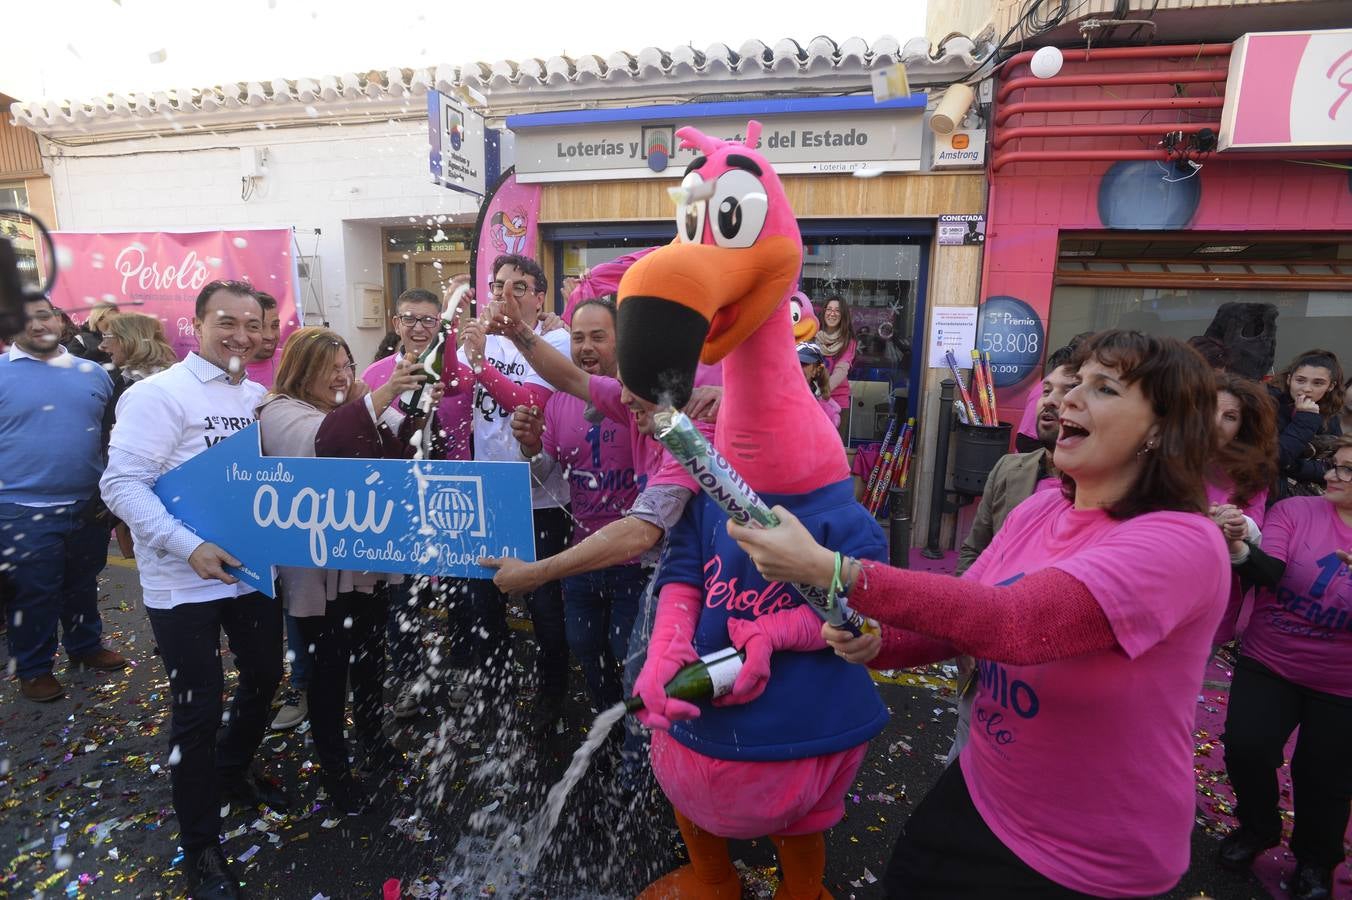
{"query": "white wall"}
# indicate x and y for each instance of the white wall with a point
(344, 180)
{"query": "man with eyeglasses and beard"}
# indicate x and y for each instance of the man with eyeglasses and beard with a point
(505, 380)
(417, 316)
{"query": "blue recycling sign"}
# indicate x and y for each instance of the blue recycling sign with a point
(433, 517)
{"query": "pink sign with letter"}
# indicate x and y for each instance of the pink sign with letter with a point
(1289, 89)
(161, 273)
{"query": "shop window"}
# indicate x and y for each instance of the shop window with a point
(1173, 285)
(13, 196)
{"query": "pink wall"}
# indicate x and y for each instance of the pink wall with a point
(1031, 203)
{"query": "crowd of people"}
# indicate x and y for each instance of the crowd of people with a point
(1163, 508)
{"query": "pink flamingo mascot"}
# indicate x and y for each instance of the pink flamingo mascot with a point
(775, 756)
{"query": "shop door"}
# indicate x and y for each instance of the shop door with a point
(879, 267)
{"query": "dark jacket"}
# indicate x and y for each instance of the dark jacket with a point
(1296, 432)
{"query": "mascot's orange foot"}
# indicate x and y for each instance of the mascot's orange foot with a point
(686, 883)
(709, 876)
(802, 861)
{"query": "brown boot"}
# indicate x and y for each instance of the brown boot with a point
(41, 688)
(102, 659)
(802, 858)
(709, 876)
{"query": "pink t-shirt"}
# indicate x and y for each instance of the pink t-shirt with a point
(596, 460)
(264, 372)
(1219, 491)
(1083, 767)
(653, 465)
(841, 392)
(1303, 630)
(453, 412)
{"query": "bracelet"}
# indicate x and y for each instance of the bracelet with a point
(836, 588)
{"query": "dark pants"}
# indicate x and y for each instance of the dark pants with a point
(947, 852)
(53, 557)
(189, 638)
(403, 630)
(479, 632)
(1264, 709)
(599, 609)
(298, 654)
(341, 649)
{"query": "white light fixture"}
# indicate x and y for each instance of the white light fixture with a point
(1046, 62)
(1222, 248)
(951, 109)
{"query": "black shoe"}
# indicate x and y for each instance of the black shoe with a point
(246, 789)
(208, 877)
(546, 715)
(382, 761)
(1240, 847)
(1311, 882)
(345, 792)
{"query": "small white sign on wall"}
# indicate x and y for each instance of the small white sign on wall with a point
(952, 328)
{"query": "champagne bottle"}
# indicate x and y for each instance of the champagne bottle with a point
(708, 677)
(433, 361)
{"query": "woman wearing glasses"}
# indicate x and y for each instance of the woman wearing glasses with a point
(1295, 671)
(317, 408)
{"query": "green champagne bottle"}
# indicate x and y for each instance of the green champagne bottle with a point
(708, 677)
(432, 360)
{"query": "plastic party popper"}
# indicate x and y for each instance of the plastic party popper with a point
(726, 487)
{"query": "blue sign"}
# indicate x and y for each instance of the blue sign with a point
(1012, 333)
(372, 515)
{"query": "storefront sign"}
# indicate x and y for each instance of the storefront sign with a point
(961, 149)
(811, 135)
(456, 137)
(1289, 89)
(962, 229)
(161, 273)
(952, 328)
(375, 515)
(1011, 332)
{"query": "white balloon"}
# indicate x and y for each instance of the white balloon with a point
(1046, 62)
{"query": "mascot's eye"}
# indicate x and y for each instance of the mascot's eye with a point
(796, 311)
(690, 216)
(739, 209)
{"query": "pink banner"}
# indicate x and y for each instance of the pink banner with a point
(509, 223)
(161, 273)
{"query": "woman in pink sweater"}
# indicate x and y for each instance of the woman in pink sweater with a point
(1091, 615)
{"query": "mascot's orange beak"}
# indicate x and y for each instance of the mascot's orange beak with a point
(805, 330)
(688, 302)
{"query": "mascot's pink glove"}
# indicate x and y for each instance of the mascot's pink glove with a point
(797, 629)
(670, 647)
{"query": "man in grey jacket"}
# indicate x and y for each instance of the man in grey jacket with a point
(1015, 478)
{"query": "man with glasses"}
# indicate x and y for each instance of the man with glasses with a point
(54, 412)
(504, 381)
(417, 316)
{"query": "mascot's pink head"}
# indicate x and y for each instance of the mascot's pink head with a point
(736, 256)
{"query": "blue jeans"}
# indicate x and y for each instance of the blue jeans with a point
(301, 660)
(599, 612)
(52, 557)
(479, 635)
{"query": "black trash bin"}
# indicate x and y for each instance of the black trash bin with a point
(979, 448)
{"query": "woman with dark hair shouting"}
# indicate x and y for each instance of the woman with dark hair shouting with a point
(1091, 615)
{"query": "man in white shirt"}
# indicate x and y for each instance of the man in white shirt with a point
(190, 598)
(504, 381)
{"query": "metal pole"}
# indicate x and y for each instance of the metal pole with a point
(899, 532)
(940, 471)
